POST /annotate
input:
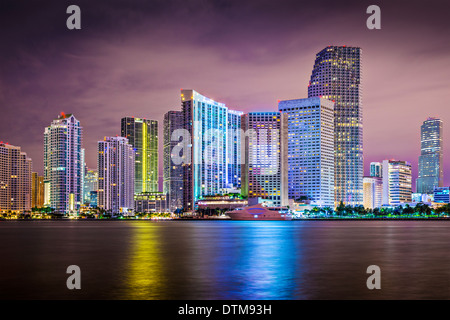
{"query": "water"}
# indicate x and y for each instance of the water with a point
(225, 259)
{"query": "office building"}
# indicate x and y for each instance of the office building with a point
(142, 134)
(396, 182)
(90, 185)
(116, 165)
(151, 202)
(15, 180)
(336, 76)
(63, 164)
(172, 170)
(430, 160)
(264, 171)
(441, 194)
(310, 150)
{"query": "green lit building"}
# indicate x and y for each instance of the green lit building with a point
(142, 134)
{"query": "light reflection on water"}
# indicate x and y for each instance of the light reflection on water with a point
(225, 259)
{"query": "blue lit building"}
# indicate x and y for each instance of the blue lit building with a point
(206, 157)
(234, 149)
(310, 150)
(442, 194)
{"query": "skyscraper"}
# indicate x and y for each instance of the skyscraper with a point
(264, 172)
(116, 165)
(90, 185)
(63, 163)
(142, 134)
(15, 179)
(375, 169)
(173, 172)
(396, 182)
(431, 173)
(234, 161)
(205, 157)
(336, 76)
(37, 190)
(310, 149)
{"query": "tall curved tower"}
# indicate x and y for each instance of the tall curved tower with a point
(336, 76)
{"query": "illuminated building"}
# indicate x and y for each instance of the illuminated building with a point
(150, 202)
(376, 169)
(265, 163)
(396, 182)
(116, 175)
(310, 150)
(336, 76)
(206, 158)
(430, 160)
(37, 190)
(142, 134)
(441, 194)
(234, 149)
(173, 173)
(15, 180)
(63, 164)
(90, 185)
(372, 192)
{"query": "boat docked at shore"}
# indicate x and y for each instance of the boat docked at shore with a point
(260, 212)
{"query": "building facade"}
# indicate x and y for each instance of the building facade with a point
(310, 150)
(441, 194)
(116, 165)
(234, 149)
(396, 182)
(15, 180)
(172, 171)
(265, 165)
(142, 134)
(372, 192)
(376, 169)
(205, 148)
(431, 173)
(151, 202)
(336, 76)
(90, 185)
(63, 164)
(37, 190)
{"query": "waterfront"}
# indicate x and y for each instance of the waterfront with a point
(225, 259)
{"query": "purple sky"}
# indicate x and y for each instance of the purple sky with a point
(132, 57)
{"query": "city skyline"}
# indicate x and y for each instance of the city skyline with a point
(118, 76)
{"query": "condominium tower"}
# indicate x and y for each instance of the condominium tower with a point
(142, 134)
(116, 175)
(396, 182)
(310, 150)
(336, 76)
(15, 179)
(63, 167)
(430, 160)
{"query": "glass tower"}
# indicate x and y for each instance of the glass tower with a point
(430, 160)
(63, 163)
(142, 134)
(336, 76)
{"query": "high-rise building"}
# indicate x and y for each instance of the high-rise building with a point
(336, 76)
(15, 180)
(310, 150)
(441, 194)
(172, 172)
(142, 134)
(37, 190)
(264, 172)
(376, 169)
(90, 185)
(372, 192)
(431, 173)
(234, 149)
(205, 164)
(116, 165)
(396, 182)
(63, 168)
